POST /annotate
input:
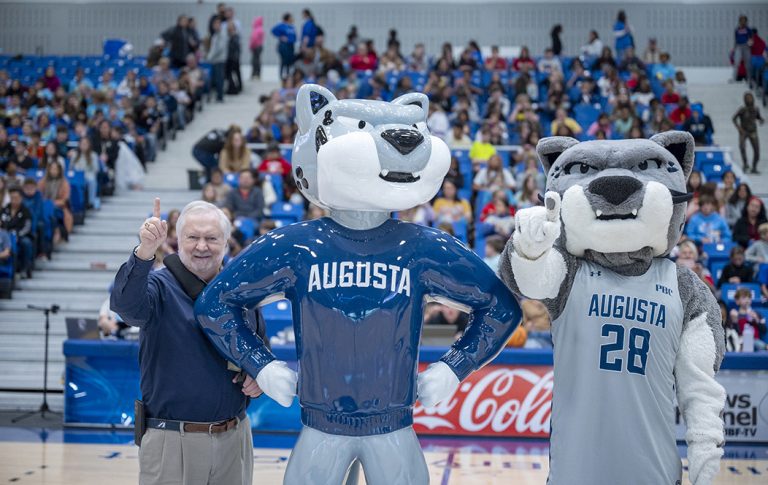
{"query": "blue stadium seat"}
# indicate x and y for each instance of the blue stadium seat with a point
(277, 184)
(278, 314)
(7, 268)
(716, 268)
(231, 179)
(287, 211)
(710, 157)
(76, 180)
(49, 220)
(713, 172)
(718, 251)
(460, 230)
(762, 274)
(247, 226)
(482, 199)
(286, 153)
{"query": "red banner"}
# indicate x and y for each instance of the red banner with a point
(497, 400)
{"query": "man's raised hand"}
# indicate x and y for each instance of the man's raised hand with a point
(152, 233)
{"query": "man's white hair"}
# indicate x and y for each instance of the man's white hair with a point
(201, 207)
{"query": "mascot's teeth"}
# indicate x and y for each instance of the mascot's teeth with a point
(384, 173)
(634, 212)
(598, 213)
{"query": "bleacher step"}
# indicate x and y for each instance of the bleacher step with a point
(76, 284)
(105, 244)
(85, 264)
(21, 347)
(87, 305)
(29, 375)
(106, 229)
(65, 278)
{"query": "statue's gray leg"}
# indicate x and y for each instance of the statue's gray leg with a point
(394, 459)
(320, 458)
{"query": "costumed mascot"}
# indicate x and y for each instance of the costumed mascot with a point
(630, 328)
(357, 282)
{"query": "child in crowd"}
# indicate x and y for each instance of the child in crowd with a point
(707, 225)
(736, 272)
(744, 315)
(494, 246)
(758, 251)
(274, 163)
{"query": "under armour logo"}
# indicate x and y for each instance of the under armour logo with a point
(595, 273)
(161, 425)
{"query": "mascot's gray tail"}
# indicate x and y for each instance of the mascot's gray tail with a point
(353, 474)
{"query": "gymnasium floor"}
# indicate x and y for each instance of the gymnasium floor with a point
(40, 456)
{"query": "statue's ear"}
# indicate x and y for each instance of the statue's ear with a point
(309, 101)
(680, 144)
(415, 99)
(551, 147)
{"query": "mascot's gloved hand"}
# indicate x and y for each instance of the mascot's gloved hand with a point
(537, 228)
(703, 462)
(436, 383)
(278, 381)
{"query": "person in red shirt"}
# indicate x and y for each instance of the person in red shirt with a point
(669, 96)
(495, 62)
(524, 63)
(680, 114)
(499, 213)
(274, 163)
(363, 59)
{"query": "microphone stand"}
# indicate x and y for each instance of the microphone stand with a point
(44, 408)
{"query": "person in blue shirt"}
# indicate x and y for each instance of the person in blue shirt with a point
(707, 225)
(308, 30)
(194, 402)
(286, 36)
(622, 32)
(33, 200)
(663, 70)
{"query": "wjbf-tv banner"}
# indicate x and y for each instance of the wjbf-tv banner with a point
(746, 406)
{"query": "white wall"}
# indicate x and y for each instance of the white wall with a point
(697, 33)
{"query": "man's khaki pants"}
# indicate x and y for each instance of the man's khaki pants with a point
(170, 458)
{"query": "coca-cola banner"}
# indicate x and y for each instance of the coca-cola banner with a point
(515, 401)
(497, 400)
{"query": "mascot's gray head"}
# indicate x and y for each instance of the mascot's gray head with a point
(366, 155)
(623, 202)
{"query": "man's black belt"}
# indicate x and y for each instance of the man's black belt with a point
(195, 427)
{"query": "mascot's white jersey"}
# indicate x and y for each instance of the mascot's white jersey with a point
(617, 336)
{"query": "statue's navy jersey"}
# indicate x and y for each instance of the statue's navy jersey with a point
(617, 336)
(357, 299)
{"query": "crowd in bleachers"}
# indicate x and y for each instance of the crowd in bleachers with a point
(74, 129)
(492, 111)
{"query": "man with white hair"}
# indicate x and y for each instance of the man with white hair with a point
(194, 402)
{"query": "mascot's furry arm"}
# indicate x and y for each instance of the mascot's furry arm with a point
(699, 396)
(531, 265)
